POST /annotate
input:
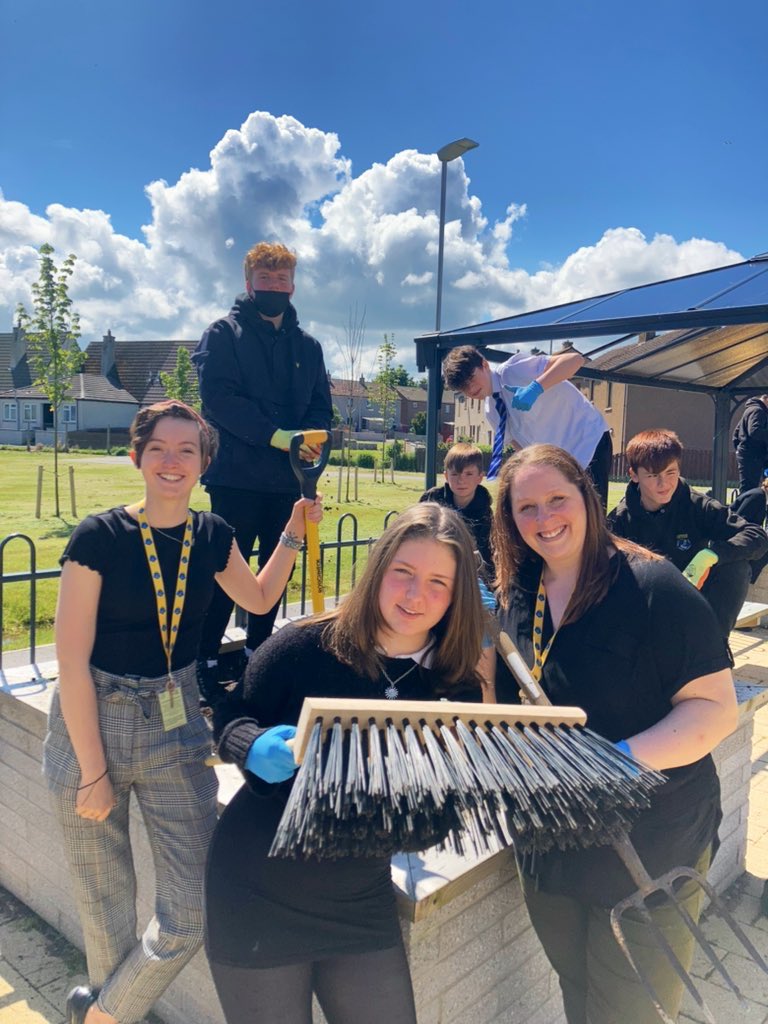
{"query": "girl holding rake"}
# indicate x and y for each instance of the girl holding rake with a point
(126, 718)
(278, 930)
(610, 628)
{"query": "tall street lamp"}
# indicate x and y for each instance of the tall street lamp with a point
(434, 386)
(445, 155)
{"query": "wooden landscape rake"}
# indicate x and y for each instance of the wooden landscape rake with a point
(647, 887)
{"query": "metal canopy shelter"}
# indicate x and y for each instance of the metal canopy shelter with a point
(705, 332)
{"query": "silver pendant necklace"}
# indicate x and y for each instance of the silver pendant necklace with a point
(392, 692)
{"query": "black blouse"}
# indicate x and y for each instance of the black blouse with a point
(127, 640)
(623, 662)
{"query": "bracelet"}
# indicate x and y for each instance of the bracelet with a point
(87, 785)
(289, 540)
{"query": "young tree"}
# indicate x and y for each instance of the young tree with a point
(351, 352)
(384, 384)
(181, 383)
(52, 330)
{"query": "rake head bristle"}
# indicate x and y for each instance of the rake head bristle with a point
(376, 786)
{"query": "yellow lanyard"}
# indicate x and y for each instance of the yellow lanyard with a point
(539, 656)
(168, 636)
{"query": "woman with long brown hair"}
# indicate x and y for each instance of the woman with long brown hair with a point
(609, 627)
(277, 929)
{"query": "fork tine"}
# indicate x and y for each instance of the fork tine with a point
(720, 908)
(661, 941)
(699, 935)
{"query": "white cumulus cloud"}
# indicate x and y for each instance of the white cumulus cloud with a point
(368, 239)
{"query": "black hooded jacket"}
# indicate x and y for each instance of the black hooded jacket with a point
(255, 380)
(751, 433)
(684, 526)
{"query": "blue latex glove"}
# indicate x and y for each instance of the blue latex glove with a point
(523, 398)
(488, 602)
(270, 757)
(625, 748)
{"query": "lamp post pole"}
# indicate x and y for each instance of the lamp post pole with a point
(444, 155)
(441, 242)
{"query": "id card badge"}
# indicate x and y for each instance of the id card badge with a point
(172, 708)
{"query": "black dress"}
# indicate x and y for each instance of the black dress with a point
(266, 912)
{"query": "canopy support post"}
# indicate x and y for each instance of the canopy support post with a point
(721, 445)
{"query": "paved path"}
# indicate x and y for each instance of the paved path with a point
(38, 966)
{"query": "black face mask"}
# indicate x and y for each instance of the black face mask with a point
(270, 304)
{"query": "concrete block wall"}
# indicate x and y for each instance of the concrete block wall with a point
(473, 958)
(477, 958)
(734, 765)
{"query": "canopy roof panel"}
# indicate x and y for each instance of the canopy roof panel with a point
(706, 331)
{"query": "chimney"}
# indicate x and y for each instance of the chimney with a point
(18, 346)
(108, 354)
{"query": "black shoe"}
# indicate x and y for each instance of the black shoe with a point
(79, 1001)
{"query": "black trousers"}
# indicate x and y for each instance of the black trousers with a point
(751, 465)
(253, 515)
(599, 467)
(725, 588)
(596, 980)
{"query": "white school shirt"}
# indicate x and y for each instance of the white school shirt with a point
(561, 415)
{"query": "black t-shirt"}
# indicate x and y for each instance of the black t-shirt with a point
(127, 640)
(622, 662)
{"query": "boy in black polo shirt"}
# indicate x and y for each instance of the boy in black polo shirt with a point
(711, 546)
(464, 492)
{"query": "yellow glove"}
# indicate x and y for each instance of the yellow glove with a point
(282, 439)
(697, 570)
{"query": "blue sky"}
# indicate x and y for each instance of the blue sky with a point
(598, 118)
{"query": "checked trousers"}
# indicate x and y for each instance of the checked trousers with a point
(176, 793)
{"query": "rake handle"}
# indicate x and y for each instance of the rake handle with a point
(507, 648)
(307, 475)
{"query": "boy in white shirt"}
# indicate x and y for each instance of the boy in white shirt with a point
(540, 405)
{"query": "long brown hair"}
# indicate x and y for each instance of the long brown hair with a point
(517, 564)
(353, 626)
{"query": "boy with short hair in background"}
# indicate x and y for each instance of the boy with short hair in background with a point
(463, 491)
(711, 545)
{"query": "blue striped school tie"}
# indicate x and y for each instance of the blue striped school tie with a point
(498, 441)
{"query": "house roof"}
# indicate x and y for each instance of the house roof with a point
(347, 388)
(411, 394)
(84, 386)
(711, 330)
(19, 376)
(138, 365)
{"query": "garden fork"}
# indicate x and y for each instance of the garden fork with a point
(646, 886)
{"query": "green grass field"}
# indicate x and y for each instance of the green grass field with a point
(104, 481)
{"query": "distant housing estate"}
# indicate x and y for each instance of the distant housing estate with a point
(120, 377)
